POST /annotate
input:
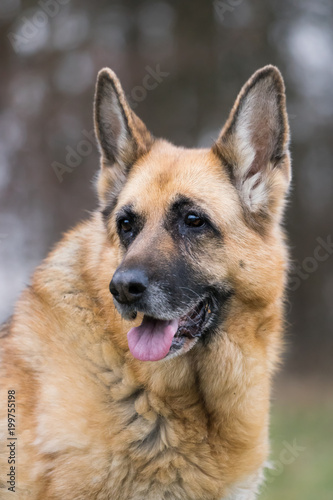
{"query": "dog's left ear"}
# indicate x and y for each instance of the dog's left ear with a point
(253, 145)
(122, 137)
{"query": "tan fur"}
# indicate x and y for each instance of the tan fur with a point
(95, 423)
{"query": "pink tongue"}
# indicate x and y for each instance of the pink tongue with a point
(152, 340)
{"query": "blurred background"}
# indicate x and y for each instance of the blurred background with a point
(182, 64)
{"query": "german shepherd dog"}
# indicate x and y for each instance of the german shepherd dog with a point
(160, 389)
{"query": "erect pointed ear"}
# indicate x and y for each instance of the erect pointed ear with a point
(254, 145)
(122, 136)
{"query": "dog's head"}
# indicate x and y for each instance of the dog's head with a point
(196, 229)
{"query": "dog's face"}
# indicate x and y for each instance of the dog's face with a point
(196, 229)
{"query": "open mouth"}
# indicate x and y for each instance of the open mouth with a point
(154, 339)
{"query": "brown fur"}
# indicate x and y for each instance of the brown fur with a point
(92, 421)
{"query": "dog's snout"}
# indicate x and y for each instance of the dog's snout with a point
(128, 286)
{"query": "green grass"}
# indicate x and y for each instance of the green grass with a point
(308, 475)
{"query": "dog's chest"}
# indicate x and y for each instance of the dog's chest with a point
(114, 438)
(156, 446)
(161, 449)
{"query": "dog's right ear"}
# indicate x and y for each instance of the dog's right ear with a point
(122, 137)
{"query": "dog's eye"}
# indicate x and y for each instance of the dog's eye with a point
(194, 220)
(129, 225)
(125, 225)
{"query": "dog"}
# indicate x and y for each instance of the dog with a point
(139, 361)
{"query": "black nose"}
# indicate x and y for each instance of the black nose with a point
(128, 286)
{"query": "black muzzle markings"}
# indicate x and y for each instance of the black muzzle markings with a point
(164, 287)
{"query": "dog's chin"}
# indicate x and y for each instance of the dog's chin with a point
(189, 327)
